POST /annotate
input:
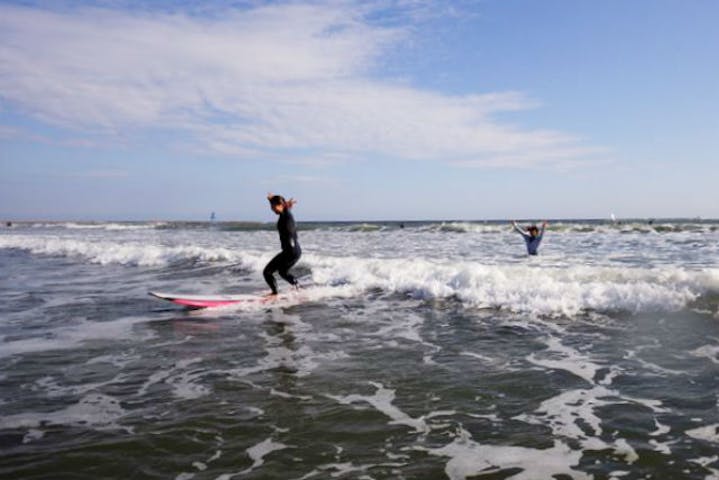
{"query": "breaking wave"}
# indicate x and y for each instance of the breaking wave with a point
(516, 287)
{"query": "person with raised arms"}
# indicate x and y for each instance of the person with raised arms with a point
(532, 236)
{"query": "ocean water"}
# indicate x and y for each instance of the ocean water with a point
(436, 350)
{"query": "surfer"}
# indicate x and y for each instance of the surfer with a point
(291, 250)
(532, 236)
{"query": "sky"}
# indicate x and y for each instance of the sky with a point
(360, 110)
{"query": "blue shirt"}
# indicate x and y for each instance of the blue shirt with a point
(532, 242)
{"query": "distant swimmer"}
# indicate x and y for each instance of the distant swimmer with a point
(291, 250)
(532, 237)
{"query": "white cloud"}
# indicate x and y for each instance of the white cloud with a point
(271, 80)
(100, 174)
(295, 180)
(9, 132)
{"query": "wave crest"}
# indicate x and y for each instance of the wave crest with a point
(528, 287)
(534, 289)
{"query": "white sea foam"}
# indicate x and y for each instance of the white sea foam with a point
(382, 402)
(199, 466)
(32, 435)
(257, 411)
(662, 447)
(709, 433)
(567, 290)
(281, 394)
(465, 227)
(342, 469)
(572, 414)
(95, 410)
(62, 338)
(622, 447)
(406, 327)
(51, 387)
(705, 462)
(563, 411)
(469, 459)
(338, 470)
(300, 361)
(661, 429)
(707, 351)
(568, 359)
(257, 454)
(108, 226)
(184, 383)
(118, 361)
(104, 252)
(478, 356)
(546, 286)
(618, 473)
(653, 405)
(653, 367)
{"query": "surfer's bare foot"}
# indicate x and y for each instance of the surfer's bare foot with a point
(269, 295)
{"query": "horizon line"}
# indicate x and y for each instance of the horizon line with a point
(509, 219)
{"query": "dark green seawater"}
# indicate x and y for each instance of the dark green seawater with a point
(426, 352)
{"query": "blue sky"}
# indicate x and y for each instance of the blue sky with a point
(361, 110)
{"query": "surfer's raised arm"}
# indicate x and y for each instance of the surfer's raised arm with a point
(519, 230)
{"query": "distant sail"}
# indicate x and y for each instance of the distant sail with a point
(212, 217)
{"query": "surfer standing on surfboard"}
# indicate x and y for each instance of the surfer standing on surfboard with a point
(291, 250)
(532, 237)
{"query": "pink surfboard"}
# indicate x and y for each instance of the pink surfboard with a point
(208, 301)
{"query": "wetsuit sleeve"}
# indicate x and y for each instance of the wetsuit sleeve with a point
(519, 230)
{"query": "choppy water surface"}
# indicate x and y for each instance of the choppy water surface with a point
(437, 350)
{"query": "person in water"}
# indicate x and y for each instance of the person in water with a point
(532, 236)
(291, 251)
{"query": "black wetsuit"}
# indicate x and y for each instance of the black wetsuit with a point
(289, 255)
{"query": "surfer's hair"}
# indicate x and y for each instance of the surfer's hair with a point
(277, 200)
(532, 228)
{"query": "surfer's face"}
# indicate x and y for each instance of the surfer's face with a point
(279, 208)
